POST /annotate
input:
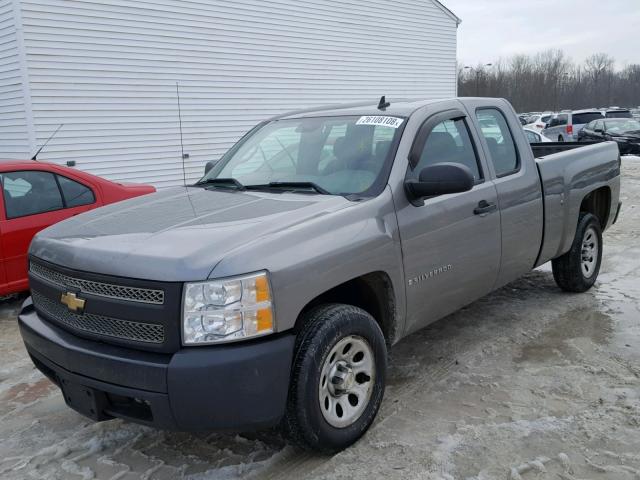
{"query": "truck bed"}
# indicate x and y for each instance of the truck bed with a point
(567, 176)
(543, 149)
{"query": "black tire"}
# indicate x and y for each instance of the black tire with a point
(560, 139)
(568, 269)
(323, 327)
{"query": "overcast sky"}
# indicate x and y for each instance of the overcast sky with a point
(492, 29)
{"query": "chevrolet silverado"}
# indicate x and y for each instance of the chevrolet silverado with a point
(269, 292)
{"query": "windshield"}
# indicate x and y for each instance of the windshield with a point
(340, 155)
(622, 126)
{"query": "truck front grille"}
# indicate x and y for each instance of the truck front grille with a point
(98, 324)
(120, 292)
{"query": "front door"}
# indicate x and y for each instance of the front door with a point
(451, 243)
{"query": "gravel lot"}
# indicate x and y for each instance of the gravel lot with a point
(528, 383)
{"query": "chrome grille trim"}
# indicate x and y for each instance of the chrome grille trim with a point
(98, 324)
(107, 290)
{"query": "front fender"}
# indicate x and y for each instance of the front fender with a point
(310, 258)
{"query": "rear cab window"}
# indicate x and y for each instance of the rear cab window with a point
(503, 152)
(586, 117)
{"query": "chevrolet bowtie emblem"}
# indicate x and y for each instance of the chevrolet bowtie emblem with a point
(72, 302)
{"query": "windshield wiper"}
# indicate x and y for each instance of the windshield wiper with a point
(221, 182)
(291, 186)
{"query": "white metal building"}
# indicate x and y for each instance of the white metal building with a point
(107, 70)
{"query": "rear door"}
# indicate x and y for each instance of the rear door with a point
(33, 200)
(587, 132)
(451, 243)
(561, 126)
(518, 186)
(593, 131)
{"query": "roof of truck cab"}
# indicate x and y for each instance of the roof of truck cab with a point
(398, 108)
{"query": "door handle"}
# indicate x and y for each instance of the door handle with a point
(484, 208)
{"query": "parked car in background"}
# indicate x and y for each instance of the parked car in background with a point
(565, 126)
(624, 131)
(539, 121)
(618, 113)
(36, 195)
(535, 137)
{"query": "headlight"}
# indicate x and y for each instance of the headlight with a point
(224, 310)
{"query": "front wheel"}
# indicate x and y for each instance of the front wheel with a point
(577, 270)
(338, 378)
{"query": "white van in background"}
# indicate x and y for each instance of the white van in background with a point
(564, 126)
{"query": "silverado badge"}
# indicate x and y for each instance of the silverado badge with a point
(72, 302)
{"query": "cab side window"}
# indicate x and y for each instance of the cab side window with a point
(30, 192)
(75, 194)
(497, 134)
(449, 141)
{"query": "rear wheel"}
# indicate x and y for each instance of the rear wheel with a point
(577, 270)
(560, 139)
(338, 378)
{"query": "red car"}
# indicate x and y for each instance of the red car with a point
(36, 195)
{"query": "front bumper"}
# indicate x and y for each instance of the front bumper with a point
(236, 387)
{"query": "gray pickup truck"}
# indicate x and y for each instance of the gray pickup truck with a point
(269, 292)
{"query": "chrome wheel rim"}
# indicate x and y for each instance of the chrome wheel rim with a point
(346, 381)
(589, 253)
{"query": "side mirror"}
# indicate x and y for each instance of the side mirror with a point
(209, 165)
(439, 179)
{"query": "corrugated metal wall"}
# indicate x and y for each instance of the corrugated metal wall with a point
(107, 69)
(14, 133)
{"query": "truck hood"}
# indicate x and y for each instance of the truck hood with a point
(177, 234)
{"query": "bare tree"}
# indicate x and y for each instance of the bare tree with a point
(549, 80)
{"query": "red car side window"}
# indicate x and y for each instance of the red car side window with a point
(75, 194)
(30, 192)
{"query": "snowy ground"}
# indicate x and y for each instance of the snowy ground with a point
(526, 383)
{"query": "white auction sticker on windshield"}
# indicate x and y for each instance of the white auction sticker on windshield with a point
(379, 120)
